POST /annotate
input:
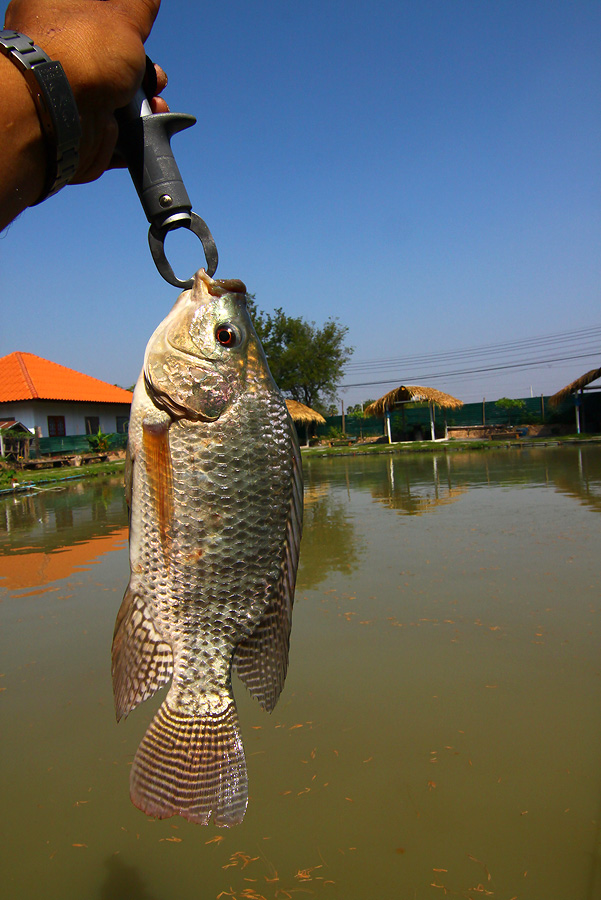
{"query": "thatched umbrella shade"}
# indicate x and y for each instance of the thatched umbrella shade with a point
(304, 415)
(575, 387)
(408, 393)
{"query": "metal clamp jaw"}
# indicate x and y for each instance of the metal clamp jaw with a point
(145, 143)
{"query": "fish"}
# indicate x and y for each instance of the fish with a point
(214, 486)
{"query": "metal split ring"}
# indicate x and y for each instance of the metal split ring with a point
(156, 241)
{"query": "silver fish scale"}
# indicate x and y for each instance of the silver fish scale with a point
(231, 490)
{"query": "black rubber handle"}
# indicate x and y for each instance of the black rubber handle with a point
(145, 143)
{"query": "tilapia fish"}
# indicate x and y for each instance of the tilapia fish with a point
(214, 484)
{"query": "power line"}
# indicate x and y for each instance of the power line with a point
(524, 353)
(476, 371)
(585, 338)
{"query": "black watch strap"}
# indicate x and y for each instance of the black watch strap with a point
(55, 105)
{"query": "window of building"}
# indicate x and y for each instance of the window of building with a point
(92, 424)
(56, 426)
(122, 423)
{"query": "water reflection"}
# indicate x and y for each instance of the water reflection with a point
(34, 568)
(47, 535)
(329, 536)
(439, 731)
(572, 470)
(411, 484)
(412, 496)
(420, 484)
(582, 482)
(415, 484)
(123, 882)
(57, 516)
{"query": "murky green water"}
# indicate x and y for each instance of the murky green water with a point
(440, 729)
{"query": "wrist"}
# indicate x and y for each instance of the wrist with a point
(55, 105)
(23, 150)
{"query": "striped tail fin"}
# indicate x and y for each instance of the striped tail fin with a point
(191, 766)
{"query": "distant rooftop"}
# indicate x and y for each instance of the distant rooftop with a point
(25, 376)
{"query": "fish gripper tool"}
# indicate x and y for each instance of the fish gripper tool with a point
(145, 143)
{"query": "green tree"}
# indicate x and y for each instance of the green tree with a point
(306, 361)
(358, 409)
(355, 410)
(509, 405)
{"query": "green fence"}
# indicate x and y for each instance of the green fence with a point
(415, 421)
(74, 443)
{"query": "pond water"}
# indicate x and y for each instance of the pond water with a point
(440, 728)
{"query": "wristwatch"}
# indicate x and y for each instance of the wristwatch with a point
(55, 104)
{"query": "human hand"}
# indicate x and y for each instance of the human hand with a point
(100, 44)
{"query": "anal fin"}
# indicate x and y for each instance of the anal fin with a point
(261, 660)
(142, 660)
(192, 766)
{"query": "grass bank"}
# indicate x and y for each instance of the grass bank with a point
(52, 475)
(451, 446)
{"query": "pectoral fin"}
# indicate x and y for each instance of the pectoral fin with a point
(142, 660)
(155, 437)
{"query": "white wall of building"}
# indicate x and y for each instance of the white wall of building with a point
(34, 414)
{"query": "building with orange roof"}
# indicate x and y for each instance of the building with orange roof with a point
(52, 400)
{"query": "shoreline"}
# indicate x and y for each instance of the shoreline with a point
(31, 480)
(451, 445)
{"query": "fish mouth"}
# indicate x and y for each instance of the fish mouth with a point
(193, 330)
(205, 287)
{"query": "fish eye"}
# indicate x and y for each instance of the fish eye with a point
(227, 335)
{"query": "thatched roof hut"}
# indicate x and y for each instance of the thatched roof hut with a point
(572, 390)
(304, 415)
(574, 387)
(412, 393)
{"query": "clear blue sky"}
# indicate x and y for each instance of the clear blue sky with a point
(426, 171)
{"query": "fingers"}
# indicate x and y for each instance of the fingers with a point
(161, 77)
(158, 105)
(155, 80)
